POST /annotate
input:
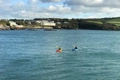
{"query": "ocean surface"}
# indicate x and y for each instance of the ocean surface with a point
(31, 55)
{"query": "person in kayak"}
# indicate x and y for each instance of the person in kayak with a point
(59, 50)
(75, 48)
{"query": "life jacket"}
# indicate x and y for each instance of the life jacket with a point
(58, 50)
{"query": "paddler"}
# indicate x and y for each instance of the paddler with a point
(59, 50)
(75, 48)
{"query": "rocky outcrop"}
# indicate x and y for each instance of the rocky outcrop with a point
(2, 27)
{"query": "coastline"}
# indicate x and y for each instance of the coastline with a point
(56, 23)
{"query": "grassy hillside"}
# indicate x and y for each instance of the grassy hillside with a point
(3, 22)
(96, 22)
(114, 21)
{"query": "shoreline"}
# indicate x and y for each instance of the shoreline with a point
(55, 23)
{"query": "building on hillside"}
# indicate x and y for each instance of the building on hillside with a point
(12, 23)
(49, 23)
(46, 23)
(58, 22)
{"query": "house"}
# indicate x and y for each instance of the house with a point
(46, 23)
(12, 23)
(49, 23)
(58, 22)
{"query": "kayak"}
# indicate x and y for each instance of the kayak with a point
(74, 49)
(58, 50)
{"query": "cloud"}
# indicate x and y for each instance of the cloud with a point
(50, 0)
(93, 3)
(33, 2)
(23, 10)
(94, 8)
(59, 9)
(5, 1)
(83, 2)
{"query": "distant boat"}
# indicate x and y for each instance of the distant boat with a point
(50, 30)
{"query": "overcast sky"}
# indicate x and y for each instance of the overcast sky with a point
(29, 9)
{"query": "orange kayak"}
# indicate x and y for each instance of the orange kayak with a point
(58, 50)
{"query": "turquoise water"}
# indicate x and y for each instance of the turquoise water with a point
(31, 55)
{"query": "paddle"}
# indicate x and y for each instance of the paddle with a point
(73, 45)
(59, 49)
(56, 46)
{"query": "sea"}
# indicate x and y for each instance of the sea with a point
(31, 55)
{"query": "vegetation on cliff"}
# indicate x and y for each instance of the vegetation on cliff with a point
(93, 24)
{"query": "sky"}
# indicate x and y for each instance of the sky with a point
(30, 9)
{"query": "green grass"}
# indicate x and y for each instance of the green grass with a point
(117, 19)
(114, 21)
(96, 22)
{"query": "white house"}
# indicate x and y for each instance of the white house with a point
(12, 23)
(45, 23)
(38, 21)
